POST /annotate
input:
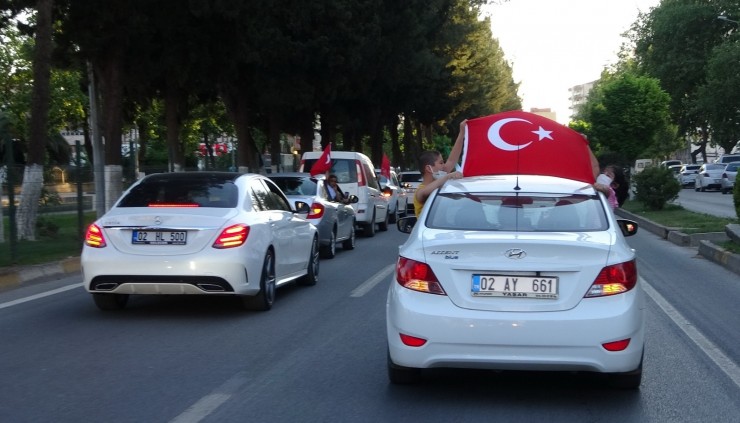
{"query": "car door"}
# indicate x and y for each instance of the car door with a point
(379, 201)
(344, 213)
(290, 234)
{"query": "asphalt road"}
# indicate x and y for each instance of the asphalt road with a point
(709, 202)
(319, 355)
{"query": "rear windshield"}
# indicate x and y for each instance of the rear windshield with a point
(344, 169)
(732, 167)
(410, 177)
(529, 212)
(295, 185)
(182, 191)
(730, 159)
(714, 167)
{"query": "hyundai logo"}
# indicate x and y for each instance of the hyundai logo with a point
(515, 253)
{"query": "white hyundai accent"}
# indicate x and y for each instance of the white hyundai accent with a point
(202, 233)
(516, 273)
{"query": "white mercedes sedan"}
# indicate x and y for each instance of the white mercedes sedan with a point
(516, 273)
(203, 233)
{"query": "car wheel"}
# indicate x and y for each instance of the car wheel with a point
(702, 189)
(400, 375)
(312, 273)
(266, 297)
(393, 216)
(627, 380)
(349, 243)
(725, 191)
(383, 226)
(370, 227)
(107, 302)
(329, 251)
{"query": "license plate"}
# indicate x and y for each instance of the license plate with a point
(540, 287)
(159, 237)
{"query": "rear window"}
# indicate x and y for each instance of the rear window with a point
(504, 212)
(410, 177)
(295, 185)
(182, 191)
(714, 167)
(345, 169)
(729, 159)
(732, 167)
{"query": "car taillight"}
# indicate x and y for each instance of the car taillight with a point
(317, 210)
(614, 279)
(417, 276)
(233, 236)
(360, 176)
(94, 237)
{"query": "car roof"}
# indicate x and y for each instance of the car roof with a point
(517, 183)
(291, 175)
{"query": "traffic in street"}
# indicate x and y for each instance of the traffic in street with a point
(320, 354)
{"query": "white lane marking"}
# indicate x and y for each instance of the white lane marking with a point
(201, 409)
(729, 367)
(41, 295)
(370, 283)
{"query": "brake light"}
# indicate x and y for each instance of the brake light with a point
(317, 210)
(360, 176)
(167, 205)
(614, 279)
(233, 236)
(617, 345)
(417, 276)
(94, 237)
(412, 341)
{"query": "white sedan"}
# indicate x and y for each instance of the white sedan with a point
(203, 233)
(516, 273)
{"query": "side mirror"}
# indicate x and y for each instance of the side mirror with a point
(628, 227)
(406, 224)
(302, 207)
(353, 199)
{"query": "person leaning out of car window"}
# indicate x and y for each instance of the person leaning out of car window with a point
(435, 171)
(334, 192)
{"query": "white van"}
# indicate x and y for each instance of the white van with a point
(641, 164)
(356, 176)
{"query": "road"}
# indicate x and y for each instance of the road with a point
(319, 355)
(709, 202)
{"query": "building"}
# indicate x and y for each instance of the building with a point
(544, 112)
(578, 96)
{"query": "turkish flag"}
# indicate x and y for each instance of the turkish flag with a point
(323, 164)
(521, 143)
(385, 167)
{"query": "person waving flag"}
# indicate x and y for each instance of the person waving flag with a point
(323, 164)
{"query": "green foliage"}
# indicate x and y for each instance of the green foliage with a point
(655, 186)
(626, 113)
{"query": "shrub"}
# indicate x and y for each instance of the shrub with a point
(655, 186)
(736, 199)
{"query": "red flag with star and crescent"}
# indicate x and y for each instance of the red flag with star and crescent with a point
(385, 167)
(323, 164)
(522, 143)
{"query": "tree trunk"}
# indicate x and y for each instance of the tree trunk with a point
(34, 172)
(274, 143)
(172, 121)
(28, 208)
(112, 94)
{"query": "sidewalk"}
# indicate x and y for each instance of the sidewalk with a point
(13, 276)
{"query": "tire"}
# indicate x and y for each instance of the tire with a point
(369, 230)
(312, 273)
(393, 216)
(383, 226)
(702, 189)
(349, 243)
(627, 380)
(109, 302)
(725, 191)
(266, 297)
(329, 251)
(399, 375)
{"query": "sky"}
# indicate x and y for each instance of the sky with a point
(556, 44)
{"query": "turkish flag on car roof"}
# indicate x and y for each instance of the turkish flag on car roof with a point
(385, 167)
(521, 143)
(323, 164)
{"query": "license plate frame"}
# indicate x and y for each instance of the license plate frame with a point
(153, 237)
(515, 286)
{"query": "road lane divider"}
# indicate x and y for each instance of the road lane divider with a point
(369, 284)
(38, 296)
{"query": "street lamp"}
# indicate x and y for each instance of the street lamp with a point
(726, 19)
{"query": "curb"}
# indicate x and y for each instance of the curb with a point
(18, 275)
(705, 242)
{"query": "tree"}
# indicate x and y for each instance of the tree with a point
(625, 113)
(720, 95)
